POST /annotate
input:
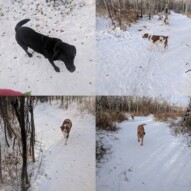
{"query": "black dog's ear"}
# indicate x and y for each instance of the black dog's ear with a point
(74, 50)
(56, 50)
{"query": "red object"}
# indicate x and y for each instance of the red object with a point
(8, 92)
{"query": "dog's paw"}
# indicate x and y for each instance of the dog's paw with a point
(57, 69)
(29, 54)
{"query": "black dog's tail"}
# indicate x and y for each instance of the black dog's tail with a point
(19, 24)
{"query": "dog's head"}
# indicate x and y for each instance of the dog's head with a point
(66, 53)
(146, 35)
(65, 128)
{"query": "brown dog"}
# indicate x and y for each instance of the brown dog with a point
(65, 128)
(141, 133)
(156, 39)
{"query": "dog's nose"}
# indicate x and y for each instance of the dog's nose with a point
(73, 69)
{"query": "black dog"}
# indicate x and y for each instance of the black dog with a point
(52, 48)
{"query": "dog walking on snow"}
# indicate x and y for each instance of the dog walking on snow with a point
(65, 128)
(141, 133)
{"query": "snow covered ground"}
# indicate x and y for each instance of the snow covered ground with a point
(127, 65)
(161, 164)
(74, 23)
(65, 167)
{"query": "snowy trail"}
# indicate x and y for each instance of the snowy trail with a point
(65, 167)
(162, 164)
(127, 62)
(73, 23)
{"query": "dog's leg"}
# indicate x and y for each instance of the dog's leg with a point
(142, 140)
(138, 138)
(54, 66)
(66, 140)
(151, 48)
(25, 48)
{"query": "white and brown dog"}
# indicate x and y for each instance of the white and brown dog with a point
(141, 133)
(157, 39)
(65, 128)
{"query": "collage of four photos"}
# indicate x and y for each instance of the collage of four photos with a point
(95, 95)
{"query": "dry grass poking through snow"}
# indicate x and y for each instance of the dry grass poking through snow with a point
(106, 120)
(161, 116)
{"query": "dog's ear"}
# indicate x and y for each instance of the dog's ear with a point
(145, 35)
(74, 50)
(56, 50)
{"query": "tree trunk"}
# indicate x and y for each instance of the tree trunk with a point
(109, 12)
(149, 3)
(1, 176)
(141, 8)
(6, 140)
(32, 130)
(24, 174)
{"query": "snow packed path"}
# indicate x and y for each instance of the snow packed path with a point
(128, 65)
(161, 164)
(73, 23)
(65, 167)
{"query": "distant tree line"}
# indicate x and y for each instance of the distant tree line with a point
(186, 119)
(124, 12)
(136, 105)
(112, 109)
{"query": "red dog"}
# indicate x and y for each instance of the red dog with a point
(141, 133)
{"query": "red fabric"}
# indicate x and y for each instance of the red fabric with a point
(8, 92)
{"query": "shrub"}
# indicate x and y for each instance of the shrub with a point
(107, 119)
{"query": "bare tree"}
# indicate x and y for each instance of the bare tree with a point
(1, 176)
(109, 12)
(32, 140)
(24, 174)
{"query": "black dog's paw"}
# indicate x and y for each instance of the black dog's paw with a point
(29, 54)
(57, 69)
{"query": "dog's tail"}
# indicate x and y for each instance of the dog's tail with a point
(19, 24)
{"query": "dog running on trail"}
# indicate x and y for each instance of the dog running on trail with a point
(141, 133)
(66, 128)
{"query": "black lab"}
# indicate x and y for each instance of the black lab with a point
(52, 48)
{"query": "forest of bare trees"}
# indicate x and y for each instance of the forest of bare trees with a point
(17, 121)
(113, 109)
(18, 136)
(123, 12)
